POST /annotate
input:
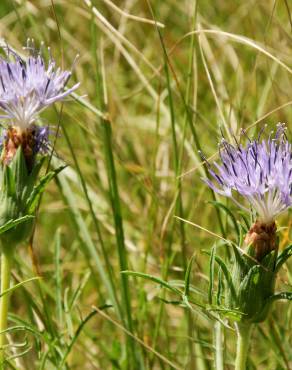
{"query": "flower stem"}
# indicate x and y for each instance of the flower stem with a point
(243, 337)
(219, 344)
(4, 300)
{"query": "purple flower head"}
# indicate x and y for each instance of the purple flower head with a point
(28, 86)
(261, 172)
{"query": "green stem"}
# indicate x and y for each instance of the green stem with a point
(219, 345)
(243, 337)
(4, 300)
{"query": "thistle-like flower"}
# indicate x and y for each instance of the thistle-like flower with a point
(27, 87)
(260, 172)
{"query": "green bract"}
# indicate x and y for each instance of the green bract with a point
(253, 284)
(19, 196)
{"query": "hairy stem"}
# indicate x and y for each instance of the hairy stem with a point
(4, 301)
(219, 345)
(243, 338)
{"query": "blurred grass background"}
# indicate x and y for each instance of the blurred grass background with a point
(151, 96)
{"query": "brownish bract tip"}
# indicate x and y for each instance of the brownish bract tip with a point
(262, 236)
(14, 139)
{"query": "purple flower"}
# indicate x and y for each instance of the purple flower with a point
(261, 172)
(28, 86)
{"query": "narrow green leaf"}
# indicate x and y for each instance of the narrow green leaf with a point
(33, 200)
(79, 290)
(220, 287)
(192, 288)
(16, 286)
(58, 277)
(211, 273)
(12, 223)
(246, 225)
(226, 273)
(154, 279)
(188, 275)
(76, 335)
(283, 257)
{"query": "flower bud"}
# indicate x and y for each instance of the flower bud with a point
(17, 183)
(254, 273)
(262, 237)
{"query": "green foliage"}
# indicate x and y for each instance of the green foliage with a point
(250, 286)
(283, 257)
(164, 96)
(19, 197)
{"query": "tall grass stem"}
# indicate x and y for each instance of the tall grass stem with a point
(116, 207)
